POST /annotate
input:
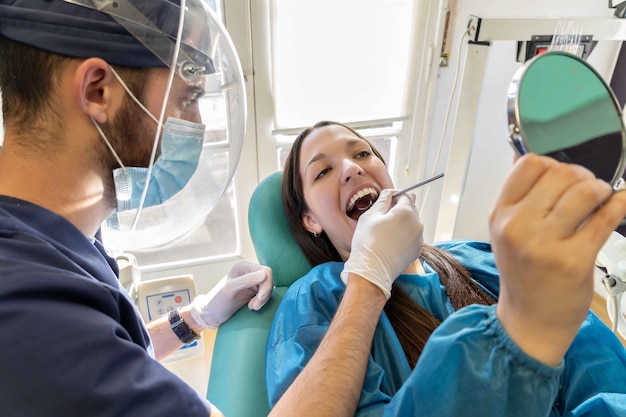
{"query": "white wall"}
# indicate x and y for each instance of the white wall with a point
(491, 157)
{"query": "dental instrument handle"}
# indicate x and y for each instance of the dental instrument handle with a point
(419, 184)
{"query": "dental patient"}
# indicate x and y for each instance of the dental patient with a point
(458, 335)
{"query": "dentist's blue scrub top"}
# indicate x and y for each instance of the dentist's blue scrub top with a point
(71, 341)
(469, 367)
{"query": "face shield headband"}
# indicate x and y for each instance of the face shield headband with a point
(166, 29)
(190, 40)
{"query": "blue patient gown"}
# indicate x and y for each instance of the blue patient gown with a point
(469, 367)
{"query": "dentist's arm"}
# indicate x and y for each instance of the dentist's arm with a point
(386, 240)
(246, 283)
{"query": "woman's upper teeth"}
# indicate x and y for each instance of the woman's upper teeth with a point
(362, 193)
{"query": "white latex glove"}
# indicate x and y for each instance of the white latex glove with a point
(245, 283)
(386, 240)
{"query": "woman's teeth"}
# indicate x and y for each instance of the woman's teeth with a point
(363, 205)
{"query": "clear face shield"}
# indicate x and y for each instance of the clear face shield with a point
(199, 131)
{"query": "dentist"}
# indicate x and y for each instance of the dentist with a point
(103, 117)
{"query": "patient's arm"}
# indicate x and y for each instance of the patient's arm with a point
(547, 227)
(330, 384)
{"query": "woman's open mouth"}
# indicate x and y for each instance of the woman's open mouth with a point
(361, 202)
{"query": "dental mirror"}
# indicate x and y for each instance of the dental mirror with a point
(559, 106)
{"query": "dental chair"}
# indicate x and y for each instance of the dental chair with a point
(237, 376)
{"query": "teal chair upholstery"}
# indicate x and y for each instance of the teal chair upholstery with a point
(237, 376)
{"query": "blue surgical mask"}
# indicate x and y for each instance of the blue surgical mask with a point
(181, 146)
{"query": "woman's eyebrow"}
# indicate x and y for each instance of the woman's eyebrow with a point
(316, 158)
(350, 144)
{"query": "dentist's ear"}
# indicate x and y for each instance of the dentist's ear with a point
(92, 87)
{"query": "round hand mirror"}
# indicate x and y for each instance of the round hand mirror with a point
(560, 106)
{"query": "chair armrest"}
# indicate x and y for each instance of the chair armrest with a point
(237, 378)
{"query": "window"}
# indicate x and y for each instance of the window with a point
(217, 237)
(344, 60)
(329, 60)
(353, 61)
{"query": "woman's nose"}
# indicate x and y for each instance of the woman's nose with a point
(351, 170)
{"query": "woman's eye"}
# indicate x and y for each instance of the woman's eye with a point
(363, 154)
(322, 173)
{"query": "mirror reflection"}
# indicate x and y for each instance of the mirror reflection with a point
(563, 108)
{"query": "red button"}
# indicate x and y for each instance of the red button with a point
(178, 299)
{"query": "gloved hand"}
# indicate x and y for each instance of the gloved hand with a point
(386, 240)
(245, 283)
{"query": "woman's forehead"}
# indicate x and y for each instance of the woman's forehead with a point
(328, 135)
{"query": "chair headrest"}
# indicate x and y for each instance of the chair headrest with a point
(273, 242)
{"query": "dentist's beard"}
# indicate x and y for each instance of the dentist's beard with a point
(131, 134)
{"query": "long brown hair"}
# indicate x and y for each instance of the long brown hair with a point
(411, 322)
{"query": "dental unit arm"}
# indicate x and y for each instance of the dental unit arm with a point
(612, 259)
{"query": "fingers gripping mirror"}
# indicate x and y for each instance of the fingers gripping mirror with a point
(559, 106)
